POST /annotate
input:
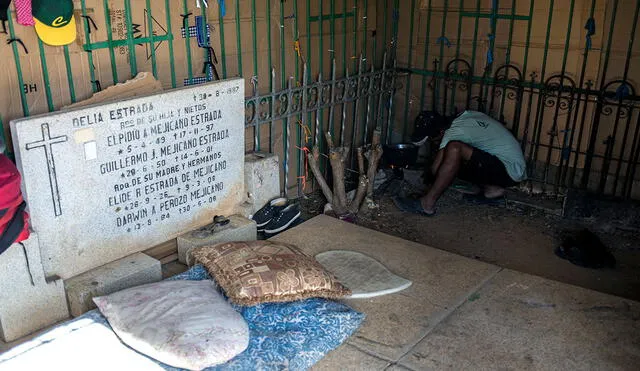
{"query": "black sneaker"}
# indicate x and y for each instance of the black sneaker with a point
(283, 220)
(263, 216)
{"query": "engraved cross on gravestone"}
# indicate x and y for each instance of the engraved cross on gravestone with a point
(47, 143)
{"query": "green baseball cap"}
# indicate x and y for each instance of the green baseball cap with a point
(55, 24)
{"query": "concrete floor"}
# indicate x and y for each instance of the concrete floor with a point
(461, 313)
(464, 314)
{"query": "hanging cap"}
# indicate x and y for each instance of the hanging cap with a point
(55, 24)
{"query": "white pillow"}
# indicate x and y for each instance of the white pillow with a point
(184, 324)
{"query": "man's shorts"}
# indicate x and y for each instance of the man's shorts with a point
(485, 169)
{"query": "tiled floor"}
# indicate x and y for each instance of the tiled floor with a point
(463, 314)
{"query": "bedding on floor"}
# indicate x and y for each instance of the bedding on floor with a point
(291, 336)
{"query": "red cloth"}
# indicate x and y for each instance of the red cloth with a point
(24, 13)
(11, 196)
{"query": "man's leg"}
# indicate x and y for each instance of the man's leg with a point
(454, 155)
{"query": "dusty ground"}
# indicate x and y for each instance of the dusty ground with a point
(514, 238)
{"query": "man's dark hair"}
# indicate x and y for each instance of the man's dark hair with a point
(429, 123)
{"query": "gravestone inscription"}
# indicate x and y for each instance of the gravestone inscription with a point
(110, 180)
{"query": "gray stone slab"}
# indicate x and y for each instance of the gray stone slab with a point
(262, 179)
(396, 322)
(27, 301)
(110, 180)
(349, 358)
(523, 322)
(134, 270)
(238, 229)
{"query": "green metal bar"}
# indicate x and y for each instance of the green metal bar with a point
(67, 62)
(426, 56)
(344, 37)
(333, 27)
(297, 79)
(3, 139)
(344, 71)
(443, 30)
(332, 44)
(533, 154)
(391, 121)
(254, 37)
(364, 32)
(374, 55)
(187, 40)
(568, 38)
(308, 61)
(452, 106)
(557, 110)
(256, 129)
(16, 57)
(87, 39)
(223, 53)
(317, 18)
(408, 92)
(546, 43)
(283, 80)
(320, 113)
(508, 59)
(473, 53)
(355, 38)
(605, 66)
(112, 56)
(154, 66)
(45, 77)
(270, 62)
(132, 47)
(321, 46)
(205, 52)
(238, 38)
(115, 43)
(386, 21)
(511, 23)
(528, 41)
(172, 62)
(498, 16)
(492, 44)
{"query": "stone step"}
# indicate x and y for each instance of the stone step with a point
(28, 301)
(133, 270)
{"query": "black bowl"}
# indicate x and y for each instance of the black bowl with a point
(400, 155)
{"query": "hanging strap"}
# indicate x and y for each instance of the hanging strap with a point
(590, 26)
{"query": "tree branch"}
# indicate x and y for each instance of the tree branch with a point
(313, 158)
(373, 157)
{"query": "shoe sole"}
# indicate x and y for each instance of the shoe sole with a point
(284, 226)
(263, 224)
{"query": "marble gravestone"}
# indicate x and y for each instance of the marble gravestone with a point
(110, 180)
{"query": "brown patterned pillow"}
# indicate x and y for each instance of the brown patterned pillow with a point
(262, 271)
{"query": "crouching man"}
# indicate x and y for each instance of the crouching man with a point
(473, 147)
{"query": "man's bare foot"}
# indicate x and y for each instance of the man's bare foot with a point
(491, 191)
(429, 209)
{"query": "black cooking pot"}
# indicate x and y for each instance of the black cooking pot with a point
(400, 155)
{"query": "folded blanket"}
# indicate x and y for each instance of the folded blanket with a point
(290, 336)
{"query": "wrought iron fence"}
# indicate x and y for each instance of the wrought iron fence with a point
(554, 155)
(358, 104)
(568, 90)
